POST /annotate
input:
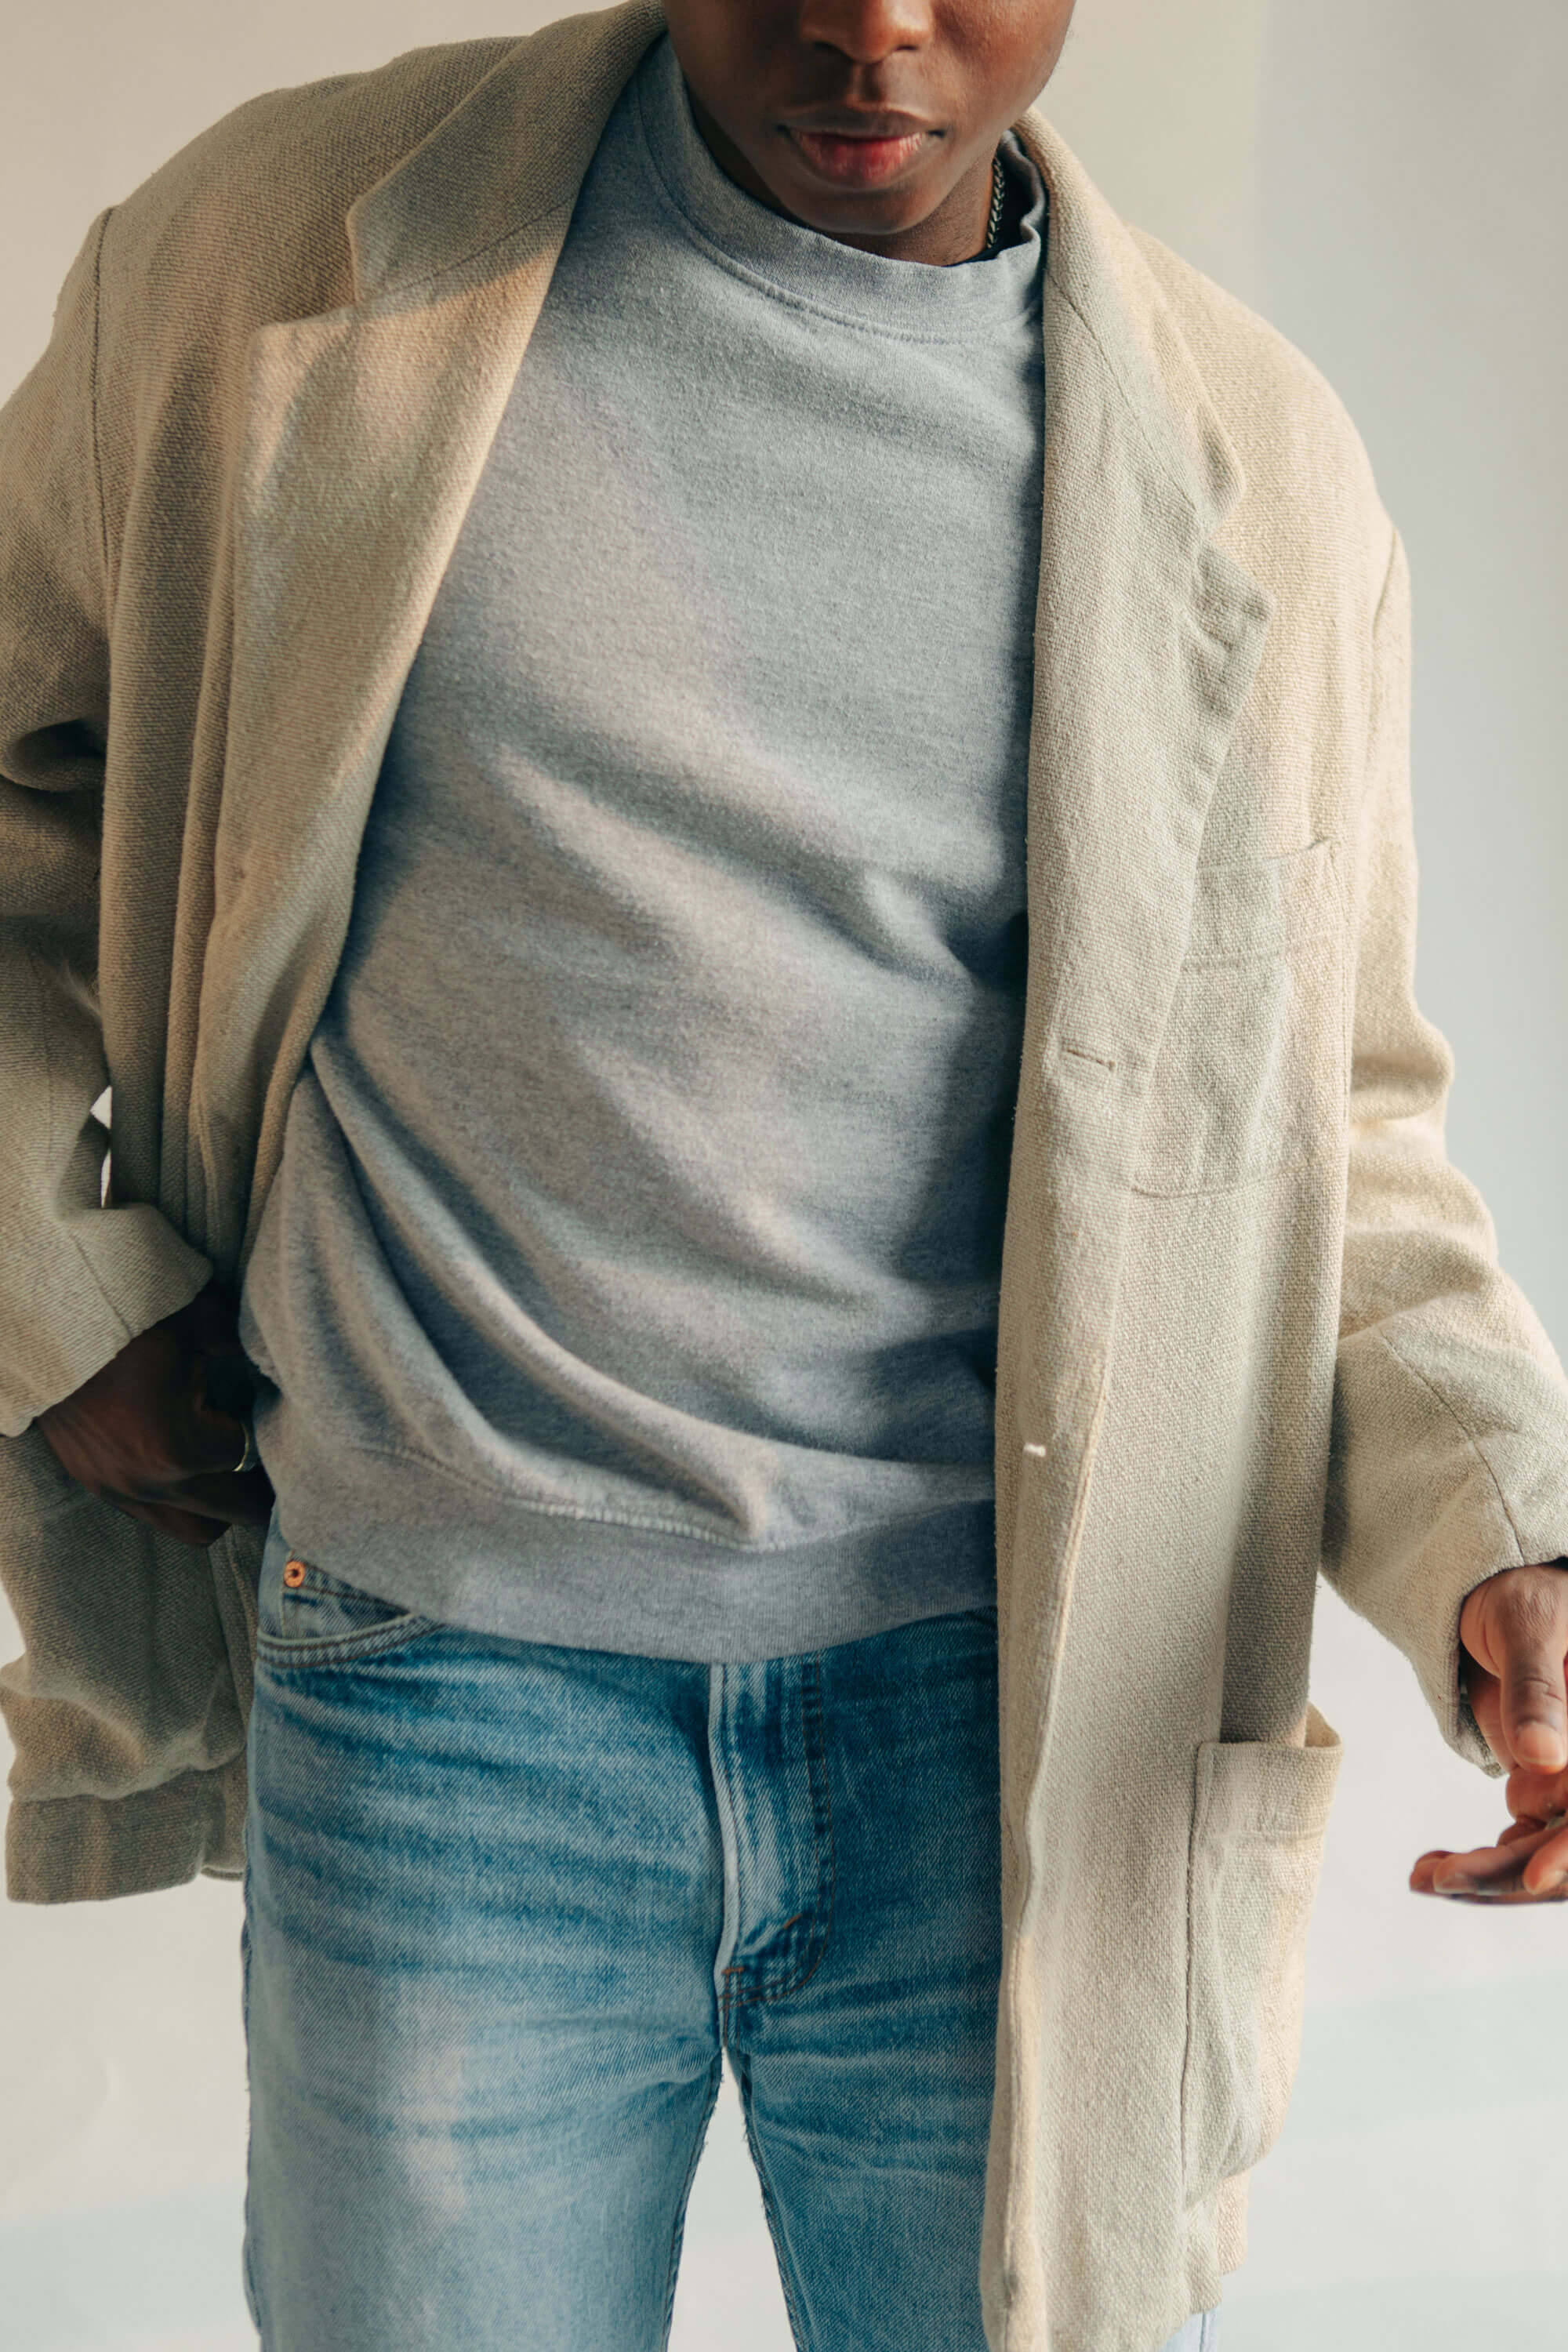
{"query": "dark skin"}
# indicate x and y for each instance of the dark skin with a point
(154, 1432)
(968, 68)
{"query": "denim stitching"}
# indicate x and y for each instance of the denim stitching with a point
(813, 1684)
(372, 1641)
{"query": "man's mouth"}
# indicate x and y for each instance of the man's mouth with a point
(857, 163)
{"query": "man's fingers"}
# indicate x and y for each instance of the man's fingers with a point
(1522, 1628)
(217, 1440)
(212, 1431)
(1485, 1862)
(1527, 1792)
(243, 1498)
(1533, 1860)
(1425, 1867)
(200, 1509)
(1534, 1712)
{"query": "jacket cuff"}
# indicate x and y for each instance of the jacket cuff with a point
(128, 1268)
(90, 1849)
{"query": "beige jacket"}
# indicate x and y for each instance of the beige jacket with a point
(1252, 1322)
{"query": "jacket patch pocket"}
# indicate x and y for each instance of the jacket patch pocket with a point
(308, 1617)
(1260, 1813)
(1252, 1073)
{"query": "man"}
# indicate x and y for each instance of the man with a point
(724, 779)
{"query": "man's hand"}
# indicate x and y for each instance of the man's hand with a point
(145, 1434)
(1513, 1630)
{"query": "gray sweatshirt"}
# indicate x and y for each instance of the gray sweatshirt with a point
(630, 1277)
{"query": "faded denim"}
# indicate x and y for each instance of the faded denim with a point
(507, 1907)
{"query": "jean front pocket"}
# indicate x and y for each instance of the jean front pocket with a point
(1260, 1816)
(309, 1617)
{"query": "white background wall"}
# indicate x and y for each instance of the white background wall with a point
(1385, 180)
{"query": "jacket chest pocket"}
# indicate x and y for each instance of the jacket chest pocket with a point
(1252, 1073)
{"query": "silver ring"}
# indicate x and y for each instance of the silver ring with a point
(249, 1458)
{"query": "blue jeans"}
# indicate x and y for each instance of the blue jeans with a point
(507, 1907)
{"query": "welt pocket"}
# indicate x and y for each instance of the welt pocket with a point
(1251, 1078)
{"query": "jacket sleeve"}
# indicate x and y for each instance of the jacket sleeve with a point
(1448, 1458)
(77, 1279)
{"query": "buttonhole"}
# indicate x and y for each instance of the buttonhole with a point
(1082, 1053)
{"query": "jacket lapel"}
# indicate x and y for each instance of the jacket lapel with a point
(1147, 639)
(366, 434)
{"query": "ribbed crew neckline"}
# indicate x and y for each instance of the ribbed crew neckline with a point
(906, 298)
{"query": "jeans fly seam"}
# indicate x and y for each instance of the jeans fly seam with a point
(812, 1683)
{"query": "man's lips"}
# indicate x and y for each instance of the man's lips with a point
(857, 163)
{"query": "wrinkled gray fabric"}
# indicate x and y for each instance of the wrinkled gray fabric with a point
(630, 1278)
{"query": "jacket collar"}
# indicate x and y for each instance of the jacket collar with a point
(510, 152)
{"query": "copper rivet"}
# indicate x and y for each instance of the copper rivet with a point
(295, 1572)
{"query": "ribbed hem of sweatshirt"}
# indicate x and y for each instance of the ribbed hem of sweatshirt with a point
(492, 1565)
